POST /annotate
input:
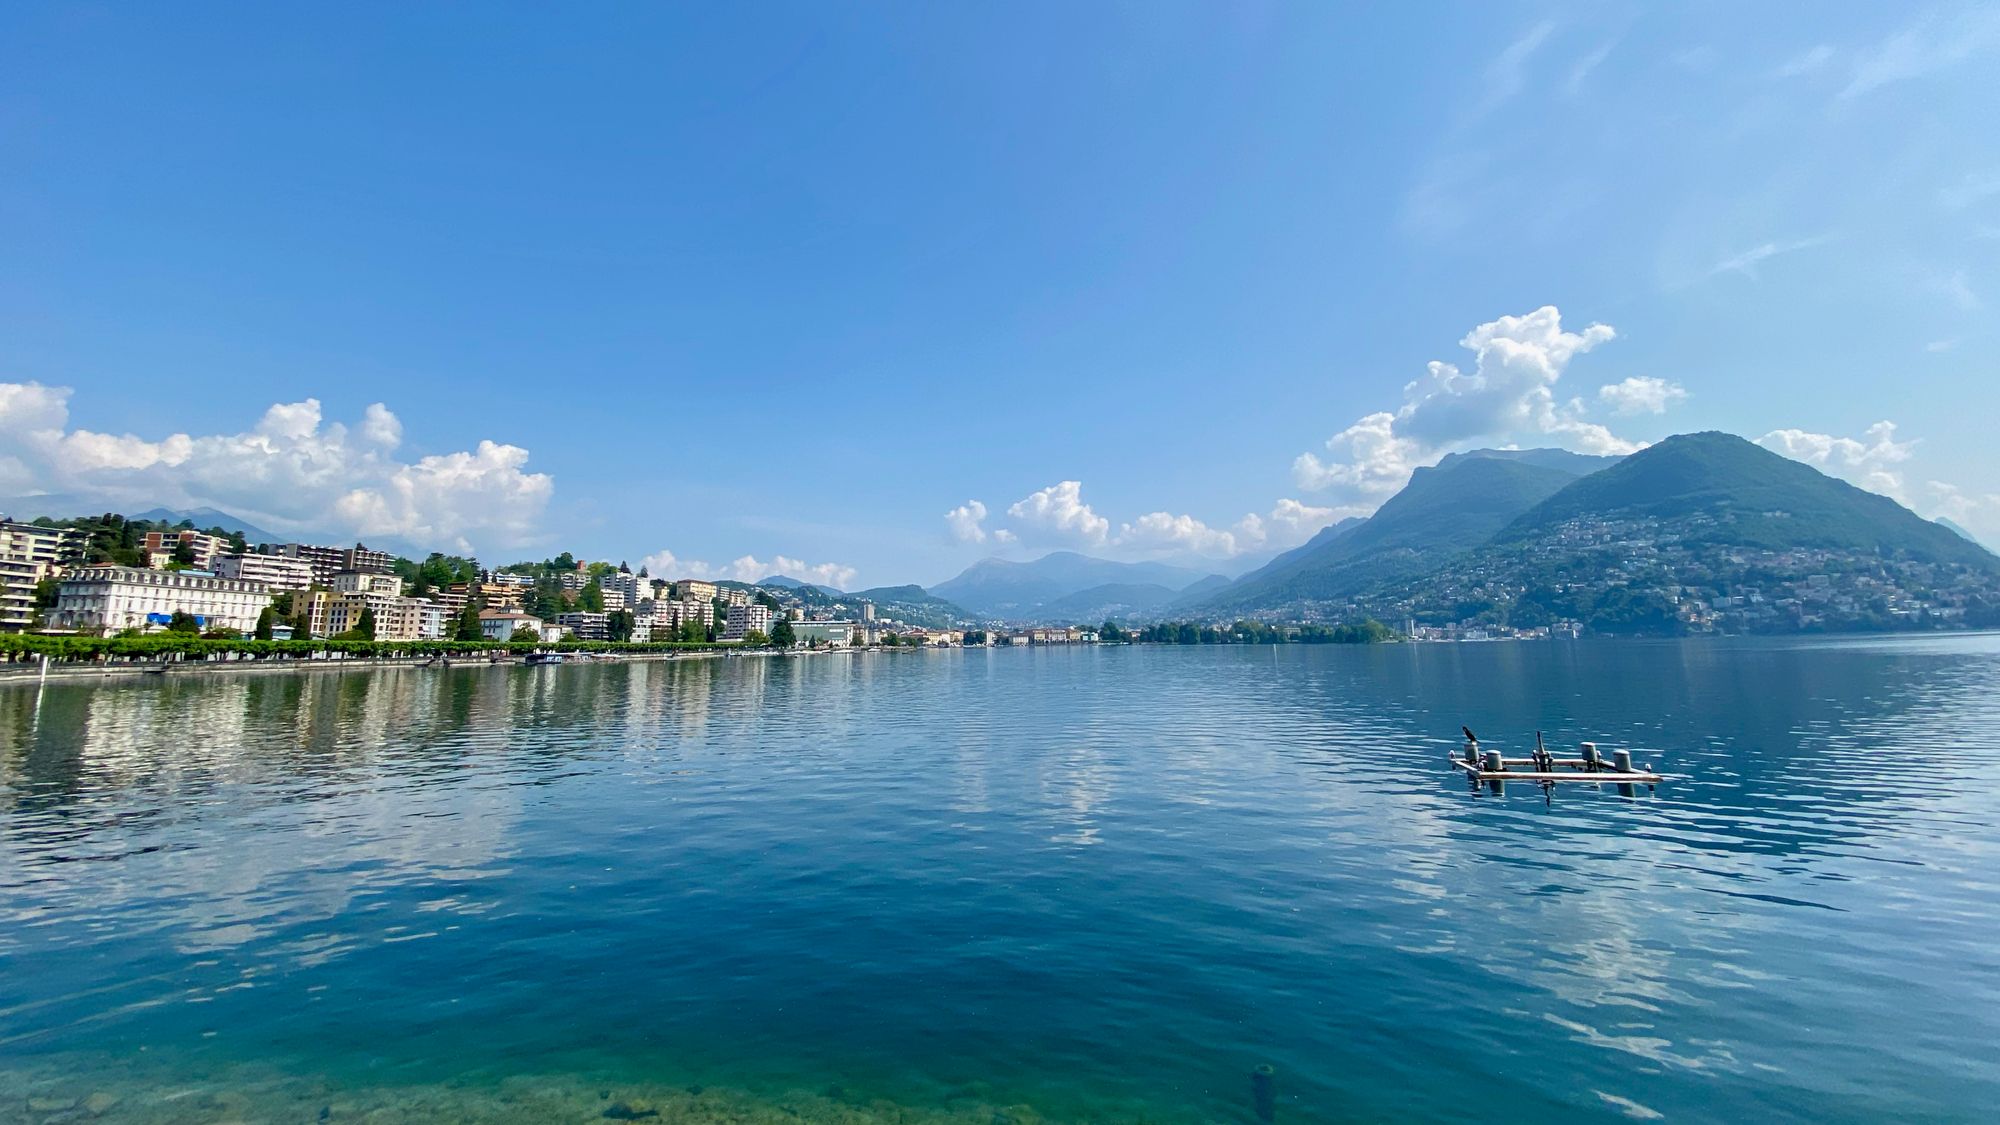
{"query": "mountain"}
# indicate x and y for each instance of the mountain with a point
(1452, 506)
(1700, 533)
(911, 603)
(1121, 600)
(1952, 526)
(1717, 488)
(999, 588)
(782, 582)
(205, 518)
(1203, 589)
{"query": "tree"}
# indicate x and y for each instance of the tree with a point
(618, 626)
(183, 622)
(642, 571)
(468, 625)
(265, 620)
(782, 633)
(525, 633)
(591, 599)
(366, 626)
(184, 553)
(755, 638)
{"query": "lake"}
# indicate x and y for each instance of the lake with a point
(1064, 884)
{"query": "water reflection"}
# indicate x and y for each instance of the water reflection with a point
(1102, 880)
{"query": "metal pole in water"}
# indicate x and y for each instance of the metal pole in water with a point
(1493, 764)
(1264, 1091)
(1623, 760)
(1590, 759)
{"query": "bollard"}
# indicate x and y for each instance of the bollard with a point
(1471, 752)
(1623, 760)
(1264, 1091)
(1493, 763)
(1590, 758)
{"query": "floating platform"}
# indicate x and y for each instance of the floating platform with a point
(1488, 765)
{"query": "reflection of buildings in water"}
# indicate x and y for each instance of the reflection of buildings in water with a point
(217, 767)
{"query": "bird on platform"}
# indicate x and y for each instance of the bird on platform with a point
(1469, 736)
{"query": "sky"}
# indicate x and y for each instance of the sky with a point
(865, 293)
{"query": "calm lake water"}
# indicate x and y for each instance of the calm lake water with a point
(1092, 884)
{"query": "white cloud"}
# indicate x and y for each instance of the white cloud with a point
(1163, 531)
(1747, 261)
(1641, 394)
(1581, 72)
(1806, 62)
(1956, 288)
(1868, 461)
(1509, 392)
(967, 522)
(749, 568)
(1937, 41)
(1507, 74)
(1976, 512)
(1058, 512)
(293, 471)
(1971, 189)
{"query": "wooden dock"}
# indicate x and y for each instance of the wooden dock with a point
(1489, 765)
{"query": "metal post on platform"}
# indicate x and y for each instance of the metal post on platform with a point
(1623, 760)
(1591, 761)
(1493, 763)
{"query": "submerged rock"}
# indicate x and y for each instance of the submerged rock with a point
(100, 1103)
(620, 1111)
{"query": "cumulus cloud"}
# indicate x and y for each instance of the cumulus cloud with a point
(292, 470)
(1288, 524)
(967, 522)
(1509, 392)
(1641, 394)
(1868, 461)
(1058, 512)
(749, 568)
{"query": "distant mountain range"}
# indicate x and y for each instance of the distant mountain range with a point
(1698, 531)
(206, 518)
(998, 588)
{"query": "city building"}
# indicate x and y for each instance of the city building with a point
(329, 561)
(837, 633)
(498, 626)
(867, 611)
(162, 546)
(586, 626)
(627, 585)
(48, 547)
(18, 579)
(276, 571)
(332, 612)
(500, 595)
(745, 619)
(107, 599)
(366, 582)
(694, 590)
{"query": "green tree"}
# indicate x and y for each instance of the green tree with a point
(782, 633)
(526, 633)
(591, 598)
(755, 638)
(618, 626)
(468, 625)
(183, 622)
(265, 620)
(365, 629)
(184, 553)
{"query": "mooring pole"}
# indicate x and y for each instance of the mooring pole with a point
(1264, 1091)
(1622, 759)
(1590, 760)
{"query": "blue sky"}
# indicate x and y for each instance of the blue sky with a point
(866, 293)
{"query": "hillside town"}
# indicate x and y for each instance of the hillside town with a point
(219, 586)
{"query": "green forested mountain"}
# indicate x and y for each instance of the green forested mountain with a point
(1720, 489)
(1454, 506)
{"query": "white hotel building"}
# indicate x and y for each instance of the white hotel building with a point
(276, 571)
(106, 599)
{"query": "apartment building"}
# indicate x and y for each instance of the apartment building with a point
(586, 626)
(745, 619)
(47, 547)
(329, 561)
(366, 582)
(107, 599)
(694, 590)
(281, 574)
(161, 546)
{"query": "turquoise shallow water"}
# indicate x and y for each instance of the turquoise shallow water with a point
(1090, 884)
